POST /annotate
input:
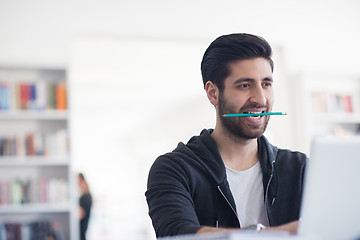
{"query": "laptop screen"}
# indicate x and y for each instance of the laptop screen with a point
(331, 200)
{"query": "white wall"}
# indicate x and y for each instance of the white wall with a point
(132, 100)
(315, 34)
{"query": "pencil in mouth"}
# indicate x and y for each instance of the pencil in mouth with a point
(253, 114)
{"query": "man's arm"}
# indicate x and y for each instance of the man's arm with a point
(171, 207)
(291, 228)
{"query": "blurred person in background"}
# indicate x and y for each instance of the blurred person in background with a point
(85, 203)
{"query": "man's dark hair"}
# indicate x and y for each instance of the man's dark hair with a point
(229, 48)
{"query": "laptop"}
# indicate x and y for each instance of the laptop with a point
(331, 200)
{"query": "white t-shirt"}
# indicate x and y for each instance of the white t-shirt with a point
(248, 192)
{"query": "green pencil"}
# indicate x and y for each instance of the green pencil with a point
(253, 114)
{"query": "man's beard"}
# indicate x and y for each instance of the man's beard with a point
(236, 126)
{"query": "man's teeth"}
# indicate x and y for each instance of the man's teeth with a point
(254, 113)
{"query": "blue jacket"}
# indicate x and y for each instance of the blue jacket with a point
(187, 188)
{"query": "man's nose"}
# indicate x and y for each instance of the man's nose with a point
(258, 95)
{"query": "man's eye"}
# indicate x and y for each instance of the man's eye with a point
(267, 84)
(245, 85)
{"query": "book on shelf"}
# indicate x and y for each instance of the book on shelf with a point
(40, 190)
(37, 95)
(37, 229)
(4, 96)
(42, 96)
(60, 96)
(12, 230)
(326, 102)
(35, 144)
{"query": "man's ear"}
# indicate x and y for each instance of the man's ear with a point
(212, 92)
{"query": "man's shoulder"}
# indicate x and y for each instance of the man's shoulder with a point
(292, 156)
(180, 154)
(194, 147)
(281, 154)
(199, 154)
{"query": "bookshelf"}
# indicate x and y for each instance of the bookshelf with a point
(37, 186)
(325, 104)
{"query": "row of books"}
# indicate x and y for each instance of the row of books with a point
(40, 95)
(326, 102)
(33, 191)
(35, 144)
(31, 230)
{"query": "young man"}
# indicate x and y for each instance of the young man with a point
(229, 177)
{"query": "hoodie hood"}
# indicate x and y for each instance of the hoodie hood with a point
(203, 149)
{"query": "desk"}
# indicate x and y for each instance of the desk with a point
(242, 236)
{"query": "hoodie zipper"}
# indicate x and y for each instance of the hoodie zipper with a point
(267, 190)
(228, 203)
(266, 197)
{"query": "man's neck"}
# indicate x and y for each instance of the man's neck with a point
(238, 154)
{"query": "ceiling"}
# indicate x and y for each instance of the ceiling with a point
(316, 35)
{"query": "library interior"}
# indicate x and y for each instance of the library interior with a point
(102, 88)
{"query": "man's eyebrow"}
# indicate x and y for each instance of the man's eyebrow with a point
(270, 79)
(245, 79)
(241, 80)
